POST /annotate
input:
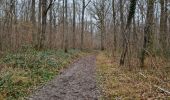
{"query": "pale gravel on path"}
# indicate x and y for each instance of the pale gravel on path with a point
(78, 82)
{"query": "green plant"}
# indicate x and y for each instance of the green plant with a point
(30, 68)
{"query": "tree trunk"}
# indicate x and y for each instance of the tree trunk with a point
(74, 24)
(51, 29)
(163, 25)
(43, 27)
(1, 31)
(82, 27)
(126, 31)
(135, 37)
(148, 32)
(33, 20)
(114, 27)
(91, 30)
(66, 26)
(12, 19)
(121, 20)
(102, 36)
(63, 35)
(39, 23)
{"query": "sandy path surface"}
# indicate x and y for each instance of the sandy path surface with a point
(78, 82)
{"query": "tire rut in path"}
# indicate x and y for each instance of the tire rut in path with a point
(78, 82)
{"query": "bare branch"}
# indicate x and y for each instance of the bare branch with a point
(87, 3)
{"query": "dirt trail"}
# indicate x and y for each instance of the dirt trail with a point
(76, 83)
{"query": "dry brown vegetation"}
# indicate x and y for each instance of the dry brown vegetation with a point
(123, 83)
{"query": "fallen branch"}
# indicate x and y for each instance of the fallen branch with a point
(162, 89)
(142, 75)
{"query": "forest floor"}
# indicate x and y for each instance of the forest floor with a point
(132, 83)
(76, 75)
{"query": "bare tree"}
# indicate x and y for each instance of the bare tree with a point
(43, 27)
(82, 19)
(121, 19)
(99, 12)
(12, 18)
(63, 20)
(163, 24)
(51, 29)
(45, 9)
(66, 28)
(125, 36)
(74, 23)
(39, 23)
(33, 20)
(114, 26)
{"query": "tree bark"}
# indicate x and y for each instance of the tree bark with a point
(148, 31)
(51, 29)
(63, 35)
(66, 28)
(33, 20)
(74, 24)
(43, 27)
(82, 27)
(39, 23)
(127, 29)
(163, 25)
(121, 19)
(114, 27)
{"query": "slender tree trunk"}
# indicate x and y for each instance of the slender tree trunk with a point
(114, 26)
(102, 22)
(82, 27)
(1, 31)
(74, 24)
(12, 19)
(91, 30)
(27, 10)
(148, 31)
(51, 29)
(33, 20)
(164, 27)
(127, 30)
(66, 30)
(134, 32)
(169, 32)
(43, 27)
(121, 20)
(39, 23)
(102, 36)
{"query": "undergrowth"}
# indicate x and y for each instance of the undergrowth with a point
(21, 73)
(136, 84)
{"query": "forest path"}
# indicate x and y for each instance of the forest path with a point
(78, 82)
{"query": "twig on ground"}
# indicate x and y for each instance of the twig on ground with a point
(143, 75)
(158, 87)
(162, 89)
